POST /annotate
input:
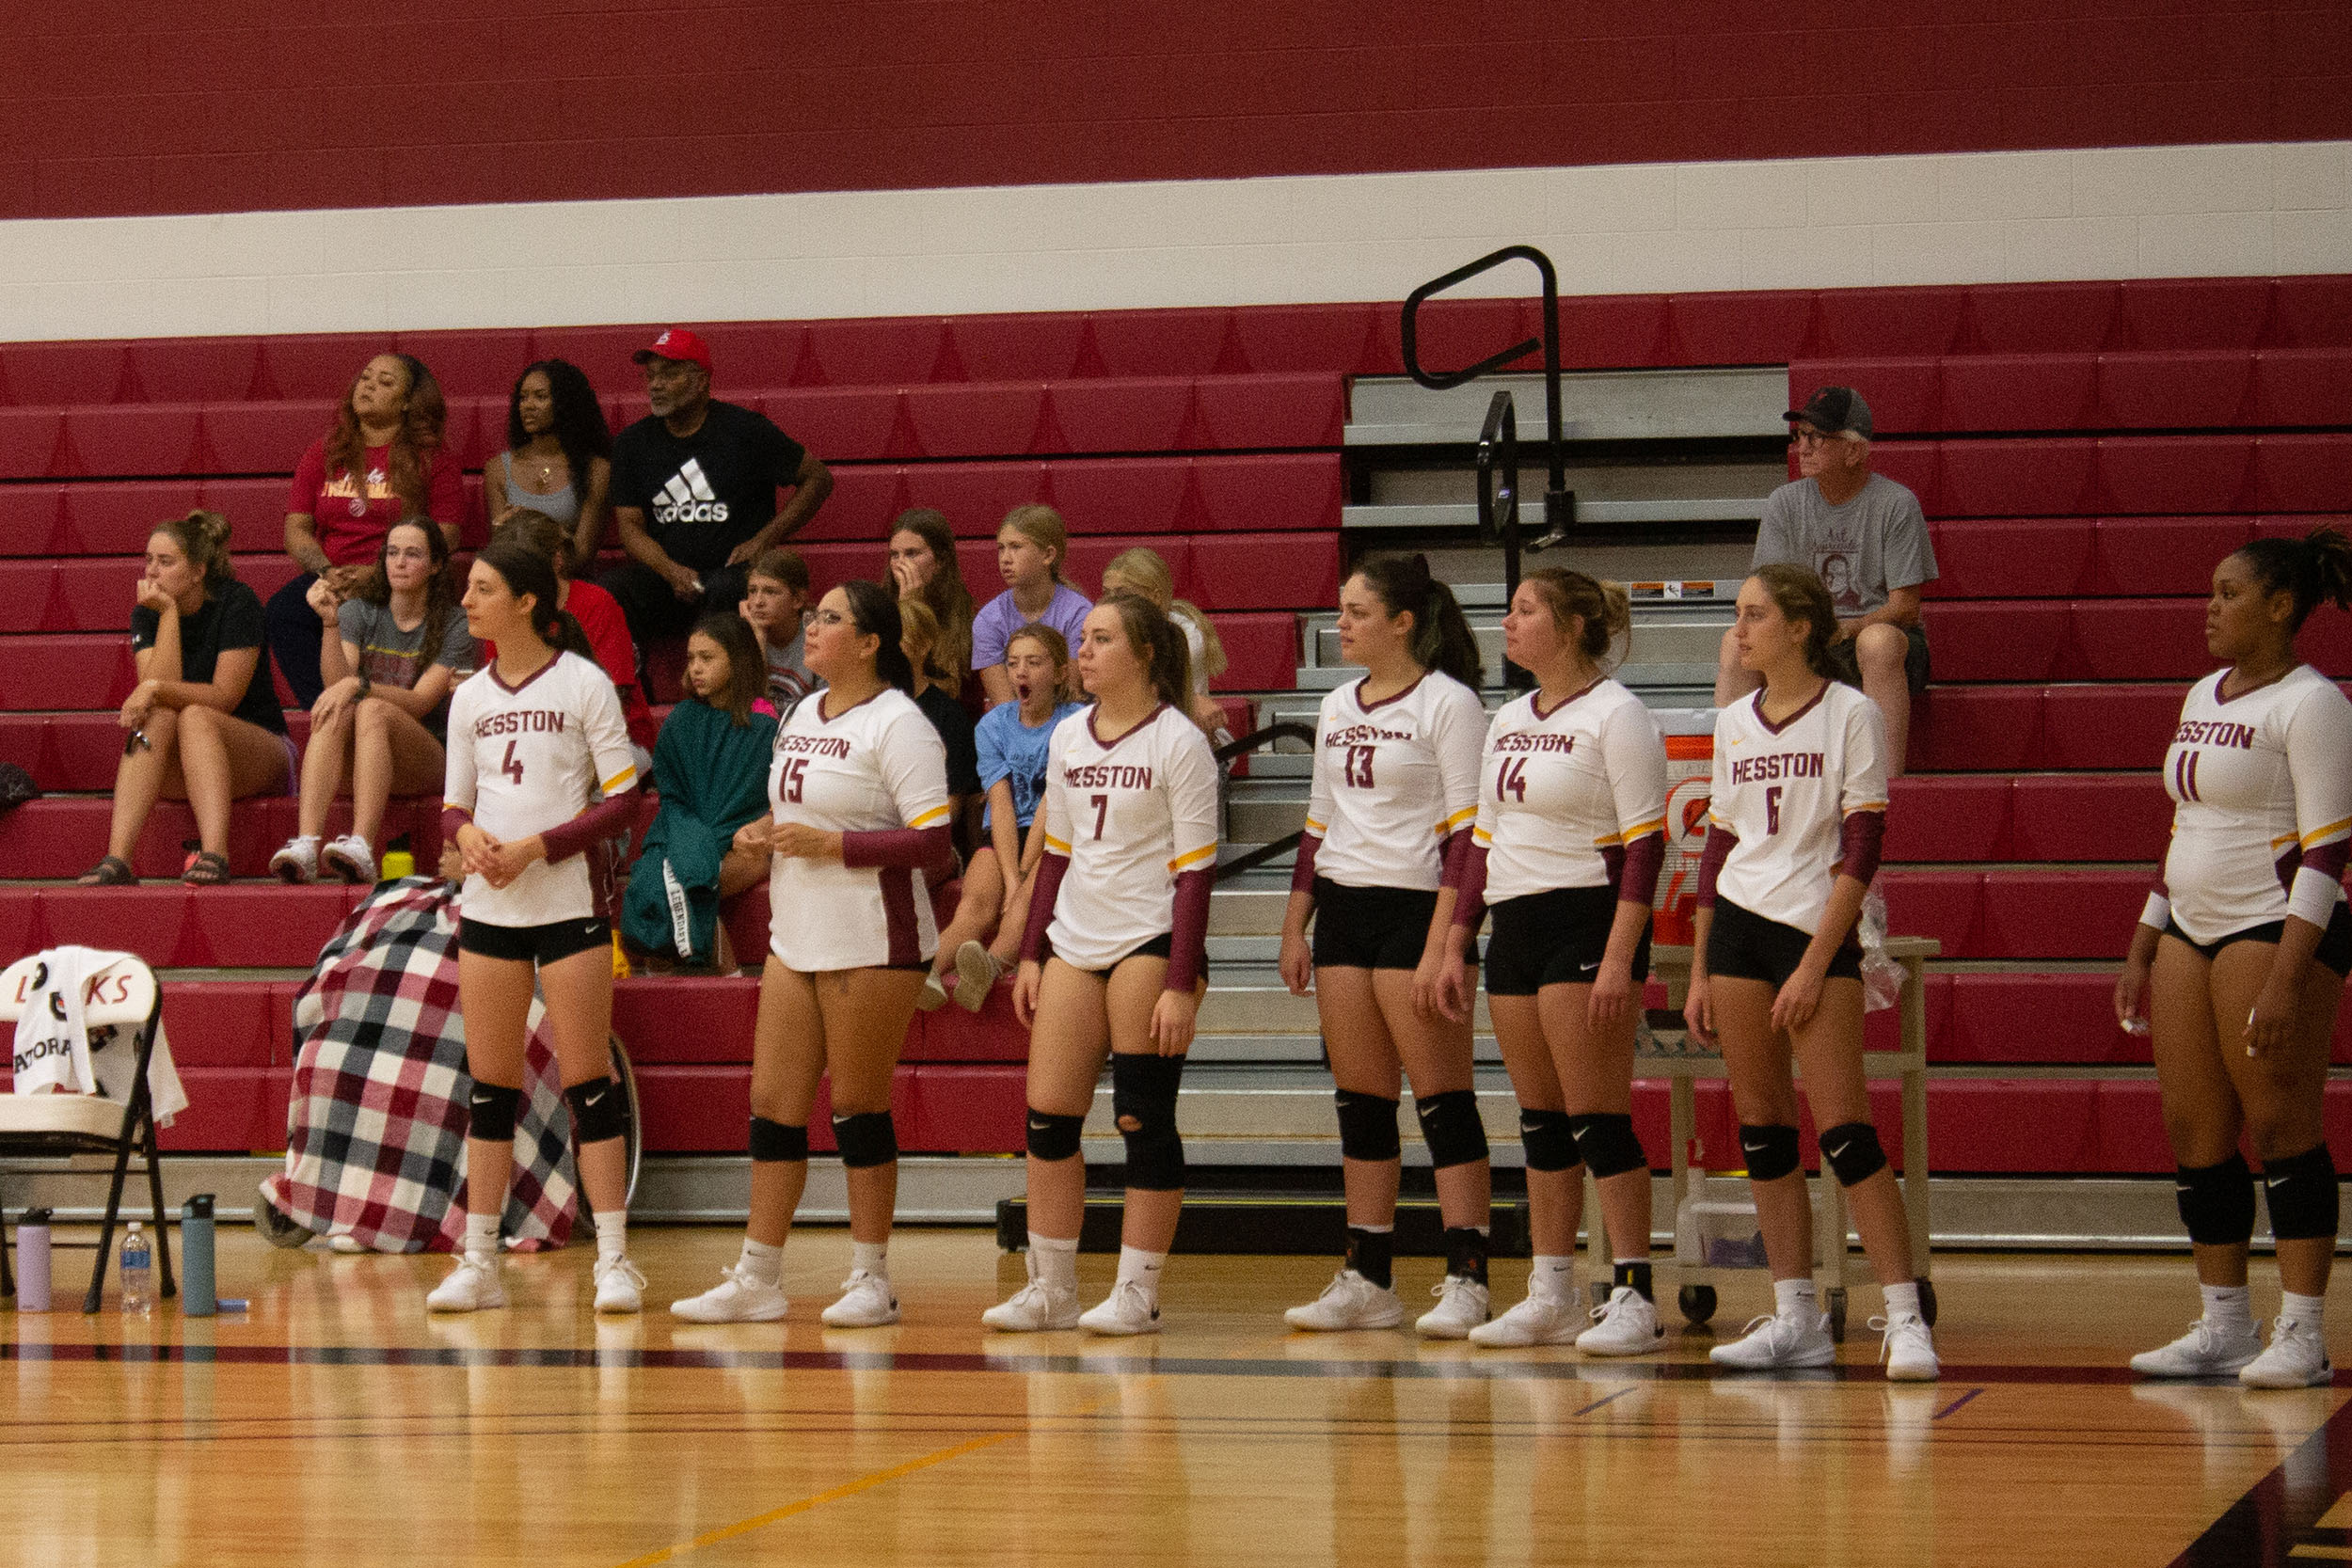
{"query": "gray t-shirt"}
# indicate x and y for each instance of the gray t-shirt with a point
(788, 679)
(1875, 543)
(391, 657)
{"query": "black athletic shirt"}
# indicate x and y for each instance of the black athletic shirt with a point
(955, 733)
(707, 493)
(230, 618)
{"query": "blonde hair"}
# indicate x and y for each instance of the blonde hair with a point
(1144, 571)
(1042, 526)
(1608, 613)
(203, 538)
(1057, 648)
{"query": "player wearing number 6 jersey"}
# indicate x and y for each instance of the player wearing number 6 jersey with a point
(1795, 817)
(858, 792)
(1395, 782)
(539, 769)
(1567, 846)
(2241, 957)
(1115, 958)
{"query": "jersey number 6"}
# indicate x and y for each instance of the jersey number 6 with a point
(1771, 809)
(513, 766)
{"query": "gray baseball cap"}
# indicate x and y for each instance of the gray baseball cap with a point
(1835, 411)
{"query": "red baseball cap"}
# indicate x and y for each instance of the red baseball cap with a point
(675, 342)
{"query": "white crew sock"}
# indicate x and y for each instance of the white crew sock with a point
(2303, 1309)
(1139, 1267)
(1552, 1279)
(482, 1236)
(2227, 1305)
(611, 1236)
(763, 1262)
(1903, 1300)
(1054, 1259)
(870, 1257)
(1797, 1298)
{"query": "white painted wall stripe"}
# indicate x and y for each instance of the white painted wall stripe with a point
(1811, 223)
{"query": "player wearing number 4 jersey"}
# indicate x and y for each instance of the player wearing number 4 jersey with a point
(1395, 782)
(2241, 956)
(1795, 817)
(539, 769)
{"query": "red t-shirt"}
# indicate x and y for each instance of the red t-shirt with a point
(599, 615)
(349, 540)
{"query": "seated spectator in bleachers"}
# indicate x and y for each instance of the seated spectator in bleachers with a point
(387, 434)
(559, 455)
(1144, 573)
(694, 489)
(710, 768)
(1866, 537)
(396, 647)
(599, 617)
(203, 723)
(983, 940)
(919, 638)
(923, 566)
(1031, 547)
(775, 598)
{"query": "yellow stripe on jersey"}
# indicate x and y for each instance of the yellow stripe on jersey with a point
(1641, 830)
(2283, 842)
(1481, 837)
(1453, 822)
(1207, 852)
(619, 780)
(1605, 840)
(2330, 831)
(1057, 846)
(936, 815)
(1870, 805)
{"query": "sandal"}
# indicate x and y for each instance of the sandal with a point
(111, 872)
(206, 868)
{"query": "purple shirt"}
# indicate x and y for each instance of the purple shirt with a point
(993, 627)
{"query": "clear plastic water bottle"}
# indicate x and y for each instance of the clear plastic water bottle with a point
(139, 1271)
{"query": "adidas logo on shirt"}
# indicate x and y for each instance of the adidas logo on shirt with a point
(688, 497)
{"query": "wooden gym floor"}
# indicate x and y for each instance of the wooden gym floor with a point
(336, 1424)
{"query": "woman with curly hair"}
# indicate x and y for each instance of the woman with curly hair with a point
(559, 455)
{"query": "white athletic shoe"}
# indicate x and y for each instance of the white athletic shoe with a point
(297, 862)
(1772, 1341)
(1037, 1308)
(473, 1286)
(2207, 1349)
(1536, 1321)
(1908, 1347)
(866, 1303)
(1462, 1306)
(739, 1297)
(620, 1287)
(1350, 1300)
(349, 858)
(1129, 1309)
(933, 997)
(1624, 1324)
(2296, 1359)
(976, 973)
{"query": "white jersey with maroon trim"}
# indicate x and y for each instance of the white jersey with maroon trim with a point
(872, 768)
(1786, 790)
(1129, 814)
(1559, 791)
(1393, 780)
(2257, 781)
(524, 759)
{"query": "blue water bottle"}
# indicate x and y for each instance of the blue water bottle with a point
(196, 1258)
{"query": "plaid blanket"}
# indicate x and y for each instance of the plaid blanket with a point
(376, 1142)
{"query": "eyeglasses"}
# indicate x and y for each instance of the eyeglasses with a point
(1811, 438)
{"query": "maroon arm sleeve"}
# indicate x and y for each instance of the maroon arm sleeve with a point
(2326, 858)
(453, 818)
(1860, 839)
(1188, 944)
(917, 847)
(1051, 868)
(1303, 870)
(607, 818)
(1466, 873)
(1719, 846)
(1645, 858)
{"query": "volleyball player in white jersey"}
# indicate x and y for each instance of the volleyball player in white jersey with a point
(1395, 780)
(2240, 958)
(1567, 846)
(1123, 901)
(859, 821)
(533, 740)
(1795, 818)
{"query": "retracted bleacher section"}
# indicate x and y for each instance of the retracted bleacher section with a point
(2085, 452)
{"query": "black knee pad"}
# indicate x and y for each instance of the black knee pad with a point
(2301, 1192)
(1143, 1102)
(2217, 1201)
(1550, 1142)
(1852, 1152)
(1367, 1126)
(1450, 1127)
(1607, 1141)
(1053, 1137)
(597, 1111)
(866, 1139)
(775, 1140)
(491, 1110)
(1770, 1148)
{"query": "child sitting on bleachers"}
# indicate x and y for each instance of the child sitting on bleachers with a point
(1144, 573)
(775, 596)
(1032, 547)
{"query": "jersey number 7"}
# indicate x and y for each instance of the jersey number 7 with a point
(513, 766)
(1102, 809)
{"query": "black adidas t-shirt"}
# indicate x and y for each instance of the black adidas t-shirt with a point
(707, 493)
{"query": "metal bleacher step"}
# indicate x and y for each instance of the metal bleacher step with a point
(1594, 405)
(1445, 515)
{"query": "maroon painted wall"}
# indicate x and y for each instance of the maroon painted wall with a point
(202, 105)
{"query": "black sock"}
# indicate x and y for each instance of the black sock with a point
(1635, 1275)
(1466, 1252)
(1369, 1253)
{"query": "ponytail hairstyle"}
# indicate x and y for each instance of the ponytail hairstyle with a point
(203, 538)
(527, 571)
(1800, 596)
(946, 593)
(1158, 643)
(1144, 571)
(1608, 613)
(1057, 648)
(747, 668)
(2316, 569)
(874, 611)
(1042, 527)
(918, 627)
(440, 590)
(422, 422)
(541, 535)
(1442, 639)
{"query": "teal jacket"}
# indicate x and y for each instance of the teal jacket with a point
(712, 776)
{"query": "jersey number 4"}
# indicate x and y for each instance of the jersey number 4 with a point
(1355, 768)
(513, 766)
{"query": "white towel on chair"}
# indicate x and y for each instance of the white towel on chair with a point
(114, 1054)
(51, 1046)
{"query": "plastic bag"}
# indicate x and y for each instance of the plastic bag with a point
(1881, 976)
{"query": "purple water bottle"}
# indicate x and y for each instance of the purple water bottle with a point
(32, 1262)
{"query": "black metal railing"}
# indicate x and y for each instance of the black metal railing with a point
(1256, 740)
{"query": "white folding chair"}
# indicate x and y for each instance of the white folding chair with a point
(50, 1126)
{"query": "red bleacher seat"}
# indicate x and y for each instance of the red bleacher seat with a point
(1186, 342)
(1607, 331)
(1260, 493)
(742, 354)
(2180, 389)
(986, 420)
(476, 363)
(604, 352)
(2116, 640)
(2058, 914)
(2171, 474)
(1238, 413)
(65, 372)
(131, 440)
(2107, 726)
(682, 1017)
(1909, 321)
(1452, 334)
(699, 1108)
(30, 441)
(1904, 395)
(2303, 473)
(230, 1110)
(1131, 494)
(2312, 312)
(2302, 387)
(67, 672)
(2108, 817)
(1265, 571)
(951, 1035)
(1762, 326)
(885, 350)
(1038, 346)
(316, 365)
(1996, 640)
(1957, 818)
(2063, 1017)
(2143, 556)
(968, 1108)
(196, 370)
(1262, 650)
(1974, 728)
(2042, 318)
(1939, 904)
(230, 1023)
(1133, 414)
(2029, 1126)
(866, 498)
(2194, 313)
(1275, 338)
(842, 422)
(2034, 477)
(2131, 1128)
(264, 438)
(2017, 391)
(1090, 554)
(2009, 559)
